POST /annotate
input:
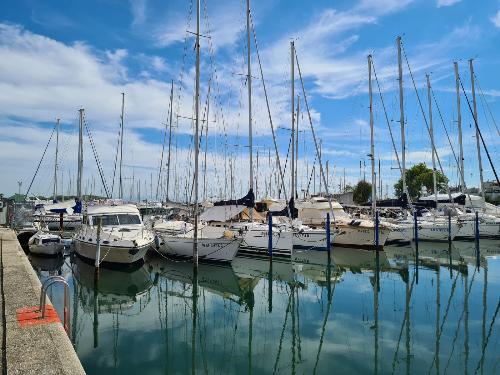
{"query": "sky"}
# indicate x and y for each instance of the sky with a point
(56, 58)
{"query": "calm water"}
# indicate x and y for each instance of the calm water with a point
(364, 314)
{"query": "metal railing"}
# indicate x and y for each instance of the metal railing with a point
(43, 297)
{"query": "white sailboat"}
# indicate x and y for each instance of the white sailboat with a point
(45, 243)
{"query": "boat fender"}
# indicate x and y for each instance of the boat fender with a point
(228, 234)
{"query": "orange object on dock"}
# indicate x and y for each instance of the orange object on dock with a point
(30, 316)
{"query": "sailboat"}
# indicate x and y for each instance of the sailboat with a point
(202, 241)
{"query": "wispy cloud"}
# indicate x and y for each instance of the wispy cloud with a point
(447, 3)
(496, 19)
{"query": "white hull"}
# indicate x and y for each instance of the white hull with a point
(209, 249)
(488, 228)
(47, 249)
(256, 241)
(310, 239)
(358, 236)
(427, 231)
(111, 254)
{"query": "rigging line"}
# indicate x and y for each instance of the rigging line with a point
(460, 321)
(479, 130)
(486, 102)
(445, 316)
(487, 337)
(318, 154)
(282, 334)
(40, 162)
(311, 175)
(162, 152)
(269, 111)
(451, 146)
(433, 146)
(96, 156)
(386, 116)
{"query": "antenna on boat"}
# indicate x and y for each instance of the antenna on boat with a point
(120, 193)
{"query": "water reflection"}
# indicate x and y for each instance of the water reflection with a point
(401, 310)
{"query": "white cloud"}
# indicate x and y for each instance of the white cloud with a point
(496, 19)
(446, 3)
(138, 9)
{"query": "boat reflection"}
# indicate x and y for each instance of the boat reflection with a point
(51, 265)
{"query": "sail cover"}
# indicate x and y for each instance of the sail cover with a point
(291, 208)
(221, 213)
(247, 201)
(68, 207)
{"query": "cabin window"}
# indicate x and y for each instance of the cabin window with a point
(126, 219)
(107, 220)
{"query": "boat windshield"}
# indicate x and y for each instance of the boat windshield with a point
(114, 220)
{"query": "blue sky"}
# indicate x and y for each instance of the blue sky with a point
(55, 59)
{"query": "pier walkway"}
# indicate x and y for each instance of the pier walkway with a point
(28, 349)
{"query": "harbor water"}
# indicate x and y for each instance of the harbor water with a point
(365, 312)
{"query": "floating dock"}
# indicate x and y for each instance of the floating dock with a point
(30, 345)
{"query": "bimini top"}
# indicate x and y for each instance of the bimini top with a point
(121, 209)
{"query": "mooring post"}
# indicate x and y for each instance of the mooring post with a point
(377, 228)
(270, 238)
(327, 228)
(449, 226)
(61, 222)
(98, 250)
(476, 231)
(415, 223)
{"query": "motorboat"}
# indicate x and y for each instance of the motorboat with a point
(123, 238)
(46, 243)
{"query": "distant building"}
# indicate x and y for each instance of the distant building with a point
(492, 191)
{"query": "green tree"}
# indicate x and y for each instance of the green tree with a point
(362, 192)
(416, 177)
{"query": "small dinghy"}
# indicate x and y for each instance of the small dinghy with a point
(45, 243)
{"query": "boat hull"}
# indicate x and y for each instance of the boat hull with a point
(358, 236)
(256, 242)
(221, 250)
(47, 249)
(314, 239)
(111, 254)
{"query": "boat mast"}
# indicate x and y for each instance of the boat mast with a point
(297, 148)
(478, 145)
(431, 130)
(120, 193)
(249, 84)
(402, 120)
(372, 140)
(459, 124)
(196, 135)
(80, 156)
(292, 60)
(170, 137)
(55, 164)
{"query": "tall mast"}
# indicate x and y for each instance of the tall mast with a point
(120, 193)
(402, 119)
(249, 84)
(80, 156)
(297, 148)
(196, 135)
(459, 124)
(55, 163)
(478, 145)
(206, 146)
(292, 60)
(431, 129)
(170, 136)
(372, 140)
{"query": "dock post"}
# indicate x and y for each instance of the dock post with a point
(98, 250)
(476, 231)
(328, 234)
(270, 236)
(377, 229)
(61, 222)
(415, 223)
(449, 226)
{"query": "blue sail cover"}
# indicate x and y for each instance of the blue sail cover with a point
(67, 207)
(294, 213)
(247, 201)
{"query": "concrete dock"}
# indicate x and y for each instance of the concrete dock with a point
(28, 349)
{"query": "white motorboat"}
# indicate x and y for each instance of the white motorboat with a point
(215, 244)
(123, 238)
(45, 243)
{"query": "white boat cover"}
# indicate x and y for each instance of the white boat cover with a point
(57, 207)
(221, 213)
(121, 209)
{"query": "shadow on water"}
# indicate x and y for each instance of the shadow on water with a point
(358, 311)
